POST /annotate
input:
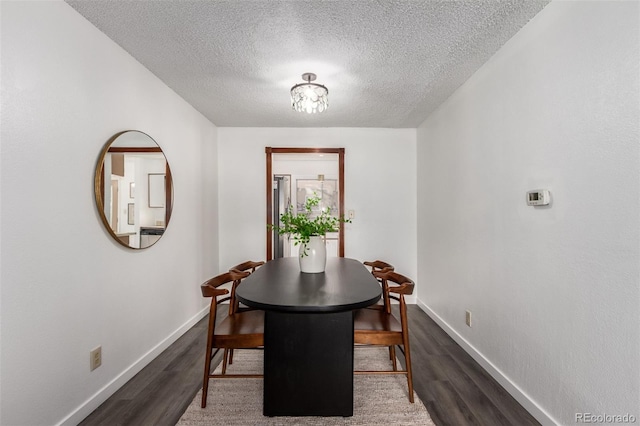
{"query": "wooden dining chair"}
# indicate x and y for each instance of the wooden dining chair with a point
(379, 266)
(248, 266)
(238, 330)
(379, 327)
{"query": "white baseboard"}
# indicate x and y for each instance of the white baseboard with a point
(530, 405)
(110, 388)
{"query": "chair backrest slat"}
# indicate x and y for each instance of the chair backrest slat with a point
(210, 287)
(379, 265)
(249, 264)
(401, 286)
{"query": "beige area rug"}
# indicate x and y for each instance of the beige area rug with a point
(378, 400)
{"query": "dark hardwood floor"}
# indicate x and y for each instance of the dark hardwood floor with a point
(453, 387)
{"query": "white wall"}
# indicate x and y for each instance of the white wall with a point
(66, 286)
(554, 291)
(380, 185)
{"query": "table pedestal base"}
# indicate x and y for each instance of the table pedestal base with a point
(308, 364)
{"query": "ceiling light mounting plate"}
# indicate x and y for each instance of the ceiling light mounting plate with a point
(309, 76)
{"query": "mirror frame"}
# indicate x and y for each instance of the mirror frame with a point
(98, 182)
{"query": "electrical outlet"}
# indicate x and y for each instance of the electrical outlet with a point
(467, 319)
(95, 359)
(352, 214)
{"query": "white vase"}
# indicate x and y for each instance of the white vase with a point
(315, 259)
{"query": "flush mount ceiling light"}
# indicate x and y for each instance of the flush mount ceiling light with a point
(309, 97)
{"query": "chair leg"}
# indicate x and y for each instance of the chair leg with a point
(224, 361)
(205, 387)
(407, 358)
(392, 351)
(230, 356)
(205, 380)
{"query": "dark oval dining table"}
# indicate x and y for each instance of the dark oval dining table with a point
(308, 336)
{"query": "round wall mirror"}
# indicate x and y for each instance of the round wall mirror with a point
(134, 189)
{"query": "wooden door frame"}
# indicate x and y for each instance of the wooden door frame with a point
(270, 151)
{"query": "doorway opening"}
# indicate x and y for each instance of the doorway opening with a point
(286, 188)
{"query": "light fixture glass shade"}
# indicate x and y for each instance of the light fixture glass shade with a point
(309, 97)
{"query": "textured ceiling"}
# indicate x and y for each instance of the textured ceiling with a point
(386, 63)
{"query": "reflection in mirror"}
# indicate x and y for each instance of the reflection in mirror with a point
(134, 189)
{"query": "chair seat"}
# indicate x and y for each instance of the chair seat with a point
(379, 305)
(372, 326)
(240, 330)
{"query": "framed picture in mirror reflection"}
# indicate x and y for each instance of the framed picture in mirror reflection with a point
(131, 214)
(156, 190)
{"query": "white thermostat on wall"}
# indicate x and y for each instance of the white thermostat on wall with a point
(538, 197)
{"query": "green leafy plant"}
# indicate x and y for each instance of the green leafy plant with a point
(302, 226)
